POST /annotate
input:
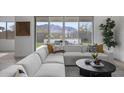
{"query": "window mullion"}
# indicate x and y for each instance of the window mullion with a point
(48, 30)
(63, 31)
(6, 31)
(78, 33)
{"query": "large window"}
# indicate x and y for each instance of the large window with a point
(2, 30)
(64, 30)
(7, 30)
(56, 32)
(71, 33)
(85, 32)
(10, 30)
(42, 33)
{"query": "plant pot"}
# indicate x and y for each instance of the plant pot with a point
(97, 62)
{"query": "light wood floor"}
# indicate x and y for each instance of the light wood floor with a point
(7, 59)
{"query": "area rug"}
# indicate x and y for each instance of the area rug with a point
(73, 71)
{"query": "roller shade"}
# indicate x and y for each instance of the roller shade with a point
(56, 18)
(42, 18)
(85, 18)
(71, 18)
(64, 18)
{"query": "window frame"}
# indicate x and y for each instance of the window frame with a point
(6, 30)
(76, 31)
(36, 31)
(92, 34)
(63, 23)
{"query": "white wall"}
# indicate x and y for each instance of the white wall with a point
(119, 34)
(7, 44)
(24, 45)
(99, 20)
(119, 50)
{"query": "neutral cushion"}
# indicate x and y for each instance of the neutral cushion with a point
(70, 58)
(72, 48)
(43, 52)
(51, 70)
(46, 48)
(54, 59)
(31, 63)
(11, 71)
(100, 55)
(73, 54)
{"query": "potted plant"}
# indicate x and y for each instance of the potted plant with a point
(95, 58)
(107, 29)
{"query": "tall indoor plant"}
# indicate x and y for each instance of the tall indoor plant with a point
(108, 33)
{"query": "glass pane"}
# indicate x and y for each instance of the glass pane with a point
(56, 32)
(41, 33)
(10, 30)
(2, 30)
(85, 32)
(71, 33)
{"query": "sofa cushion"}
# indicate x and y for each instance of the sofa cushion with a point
(73, 54)
(70, 58)
(31, 63)
(72, 48)
(51, 70)
(54, 59)
(11, 71)
(100, 55)
(43, 52)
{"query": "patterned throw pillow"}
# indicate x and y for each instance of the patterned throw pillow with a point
(50, 48)
(92, 48)
(100, 48)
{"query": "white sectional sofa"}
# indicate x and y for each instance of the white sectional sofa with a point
(73, 53)
(42, 64)
(38, 64)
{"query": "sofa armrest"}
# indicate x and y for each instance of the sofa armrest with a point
(110, 55)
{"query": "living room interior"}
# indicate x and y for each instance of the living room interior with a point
(61, 46)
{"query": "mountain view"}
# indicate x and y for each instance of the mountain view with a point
(55, 28)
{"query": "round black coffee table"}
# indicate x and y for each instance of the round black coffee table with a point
(90, 71)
